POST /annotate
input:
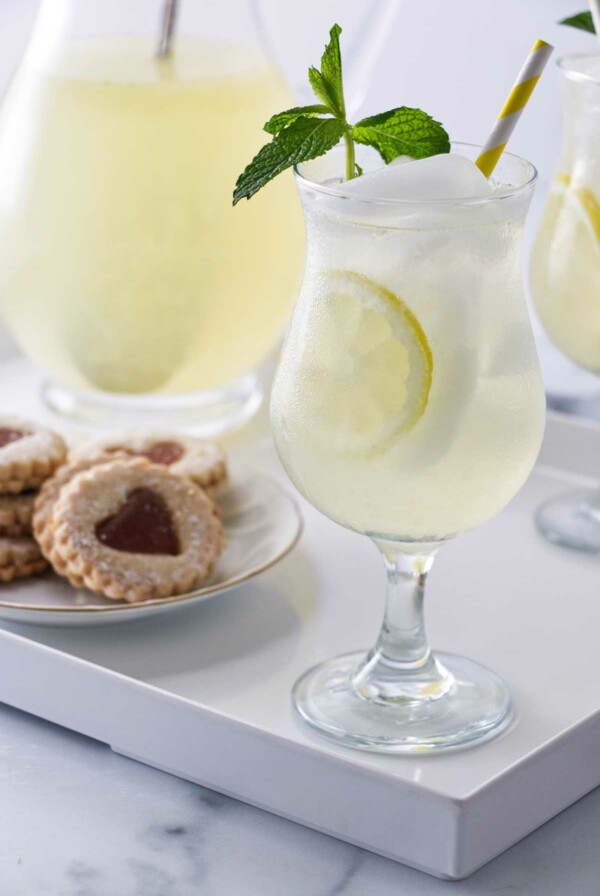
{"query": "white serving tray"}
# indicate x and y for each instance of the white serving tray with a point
(204, 693)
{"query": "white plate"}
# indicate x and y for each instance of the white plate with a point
(262, 524)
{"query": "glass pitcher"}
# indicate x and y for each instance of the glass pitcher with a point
(125, 274)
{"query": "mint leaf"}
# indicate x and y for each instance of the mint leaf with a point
(327, 84)
(402, 132)
(304, 139)
(277, 122)
(331, 70)
(321, 90)
(582, 20)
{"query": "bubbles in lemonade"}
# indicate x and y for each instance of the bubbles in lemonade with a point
(408, 402)
(123, 265)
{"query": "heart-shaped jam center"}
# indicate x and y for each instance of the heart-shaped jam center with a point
(143, 525)
(8, 435)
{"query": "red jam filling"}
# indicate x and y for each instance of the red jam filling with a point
(143, 525)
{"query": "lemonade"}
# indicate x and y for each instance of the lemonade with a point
(565, 273)
(408, 403)
(123, 266)
(408, 406)
(565, 265)
(565, 270)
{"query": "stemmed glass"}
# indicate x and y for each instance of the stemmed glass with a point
(565, 273)
(408, 405)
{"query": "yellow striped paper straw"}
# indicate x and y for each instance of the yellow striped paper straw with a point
(513, 107)
(595, 7)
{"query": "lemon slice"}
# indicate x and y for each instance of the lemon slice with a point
(368, 363)
(585, 204)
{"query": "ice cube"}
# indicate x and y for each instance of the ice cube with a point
(447, 176)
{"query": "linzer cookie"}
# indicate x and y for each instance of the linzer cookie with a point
(131, 530)
(201, 461)
(20, 557)
(29, 454)
(16, 514)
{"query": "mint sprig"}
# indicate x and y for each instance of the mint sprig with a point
(306, 132)
(402, 132)
(583, 21)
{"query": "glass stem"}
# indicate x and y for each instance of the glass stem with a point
(401, 666)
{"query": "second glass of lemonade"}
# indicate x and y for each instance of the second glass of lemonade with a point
(125, 274)
(408, 406)
(565, 272)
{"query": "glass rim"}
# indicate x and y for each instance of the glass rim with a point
(500, 194)
(563, 63)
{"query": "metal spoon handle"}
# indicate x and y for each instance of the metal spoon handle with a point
(167, 27)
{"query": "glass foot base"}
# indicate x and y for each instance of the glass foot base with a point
(571, 520)
(196, 413)
(475, 708)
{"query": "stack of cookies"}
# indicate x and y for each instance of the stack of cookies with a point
(29, 455)
(131, 518)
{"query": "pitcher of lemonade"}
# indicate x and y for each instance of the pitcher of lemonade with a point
(125, 274)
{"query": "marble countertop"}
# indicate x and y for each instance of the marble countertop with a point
(78, 820)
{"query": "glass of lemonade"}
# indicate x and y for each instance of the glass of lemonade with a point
(565, 272)
(409, 406)
(125, 274)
